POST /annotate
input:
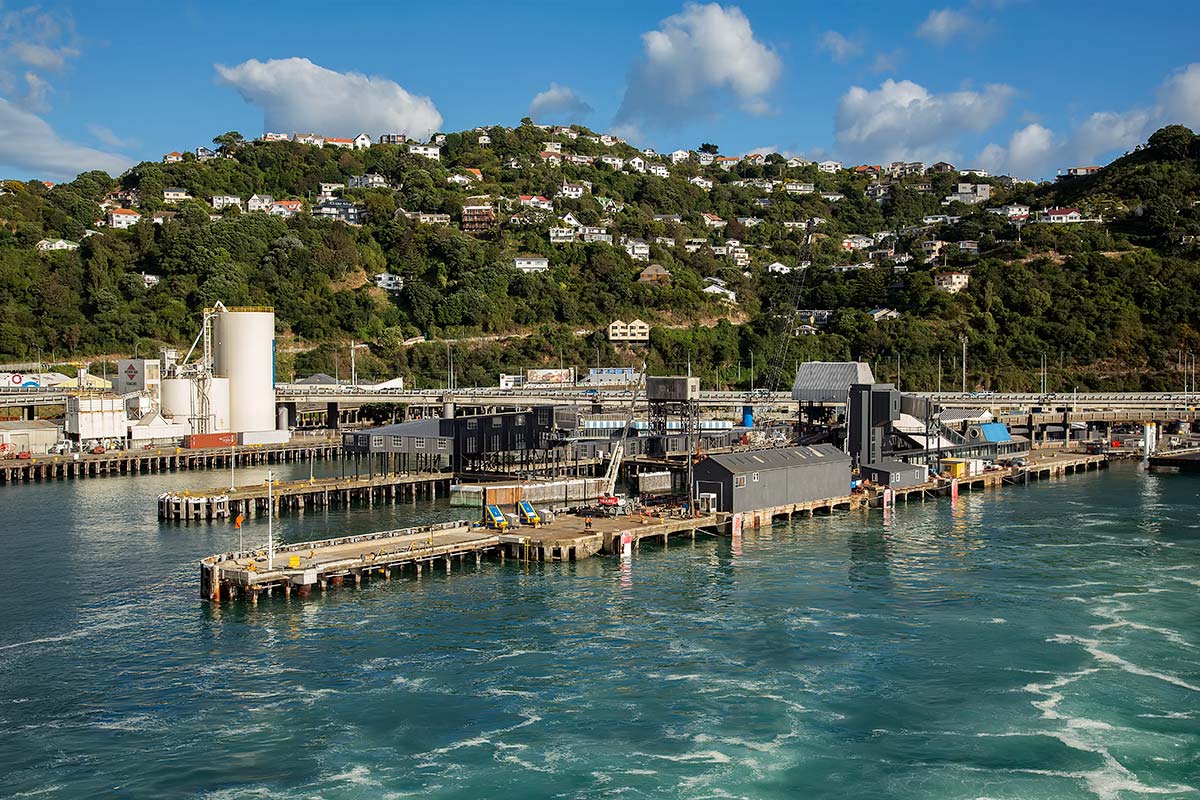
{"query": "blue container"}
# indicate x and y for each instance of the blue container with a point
(747, 416)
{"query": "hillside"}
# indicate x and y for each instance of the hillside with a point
(1113, 302)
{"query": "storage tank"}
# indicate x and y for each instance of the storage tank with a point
(181, 401)
(244, 352)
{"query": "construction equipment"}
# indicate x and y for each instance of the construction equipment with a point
(609, 497)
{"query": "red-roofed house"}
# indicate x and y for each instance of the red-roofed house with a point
(172, 158)
(713, 221)
(123, 218)
(549, 157)
(1060, 216)
(535, 201)
(345, 144)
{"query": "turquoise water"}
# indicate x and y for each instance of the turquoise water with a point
(1033, 642)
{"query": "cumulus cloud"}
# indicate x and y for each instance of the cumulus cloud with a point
(1036, 151)
(1179, 97)
(904, 120)
(42, 56)
(841, 48)
(942, 25)
(690, 60)
(298, 95)
(27, 142)
(558, 102)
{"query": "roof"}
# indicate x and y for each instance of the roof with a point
(949, 416)
(778, 458)
(28, 425)
(891, 467)
(419, 427)
(1062, 211)
(829, 381)
(995, 432)
(318, 379)
(125, 212)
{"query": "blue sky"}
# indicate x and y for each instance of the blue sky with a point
(1010, 85)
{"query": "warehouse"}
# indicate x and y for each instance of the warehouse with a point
(406, 447)
(28, 436)
(828, 382)
(758, 479)
(895, 474)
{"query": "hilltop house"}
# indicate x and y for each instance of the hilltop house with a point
(46, 245)
(362, 141)
(655, 273)
(285, 208)
(713, 221)
(339, 208)
(172, 158)
(259, 202)
(1060, 216)
(427, 150)
(173, 194)
(703, 183)
(221, 201)
(952, 282)
(345, 144)
(637, 249)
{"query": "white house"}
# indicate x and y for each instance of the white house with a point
(832, 197)
(659, 170)
(718, 288)
(779, 268)
(562, 235)
(483, 138)
(970, 193)
(536, 201)
(726, 162)
(389, 282)
(149, 280)
(552, 147)
(362, 141)
(461, 180)
(703, 183)
(56, 244)
(571, 191)
(274, 137)
(550, 157)
(309, 138)
(173, 194)
(285, 208)
(531, 263)
(713, 221)
(345, 144)
(794, 162)
(679, 156)
(1060, 216)
(372, 180)
(794, 187)
(952, 282)
(220, 201)
(616, 162)
(857, 241)
(637, 164)
(172, 158)
(123, 218)
(1015, 212)
(259, 202)
(327, 189)
(637, 249)
(830, 166)
(427, 150)
(750, 222)
(705, 158)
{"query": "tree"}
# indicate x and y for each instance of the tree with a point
(709, 147)
(229, 141)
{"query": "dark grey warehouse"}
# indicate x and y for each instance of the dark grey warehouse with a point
(759, 479)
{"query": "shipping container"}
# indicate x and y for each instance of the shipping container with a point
(955, 467)
(210, 440)
(264, 437)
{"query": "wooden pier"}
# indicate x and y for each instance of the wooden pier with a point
(251, 500)
(159, 459)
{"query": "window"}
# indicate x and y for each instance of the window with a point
(398, 441)
(472, 444)
(754, 477)
(377, 442)
(495, 442)
(520, 440)
(364, 441)
(472, 424)
(739, 481)
(419, 444)
(441, 444)
(497, 422)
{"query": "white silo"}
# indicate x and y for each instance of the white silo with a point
(181, 401)
(177, 398)
(244, 352)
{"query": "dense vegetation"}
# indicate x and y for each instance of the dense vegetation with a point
(1114, 304)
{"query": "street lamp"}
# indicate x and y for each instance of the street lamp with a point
(963, 338)
(353, 363)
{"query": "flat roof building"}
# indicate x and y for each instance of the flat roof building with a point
(759, 479)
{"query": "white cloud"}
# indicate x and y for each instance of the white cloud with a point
(839, 47)
(689, 60)
(42, 56)
(37, 92)
(1036, 151)
(904, 120)
(105, 134)
(942, 25)
(1179, 97)
(886, 62)
(27, 142)
(560, 102)
(298, 95)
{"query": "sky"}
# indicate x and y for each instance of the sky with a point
(1012, 86)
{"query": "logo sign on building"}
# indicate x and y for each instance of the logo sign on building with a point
(131, 372)
(554, 376)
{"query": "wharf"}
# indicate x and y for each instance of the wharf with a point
(207, 504)
(160, 459)
(1187, 461)
(381, 556)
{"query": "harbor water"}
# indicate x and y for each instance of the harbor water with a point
(1029, 642)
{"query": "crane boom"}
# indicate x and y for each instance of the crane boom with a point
(618, 451)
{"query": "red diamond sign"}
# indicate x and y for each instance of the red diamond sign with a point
(131, 372)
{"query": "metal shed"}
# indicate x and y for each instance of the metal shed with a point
(895, 474)
(32, 436)
(829, 381)
(757, 479)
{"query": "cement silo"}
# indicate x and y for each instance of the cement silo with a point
(244, 352)
(205, 409)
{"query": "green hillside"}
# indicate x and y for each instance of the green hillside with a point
(1113, 302)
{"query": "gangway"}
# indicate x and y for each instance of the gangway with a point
(495, 519)
(527, 514)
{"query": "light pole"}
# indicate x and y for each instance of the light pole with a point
(270, 519)
(354, 363)
(963, 339)
(232, 485)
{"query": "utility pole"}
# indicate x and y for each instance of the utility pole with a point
(963, 339)
(939, 372)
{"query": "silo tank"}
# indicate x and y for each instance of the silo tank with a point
(177, 398)
(244, 352)
(218, 405)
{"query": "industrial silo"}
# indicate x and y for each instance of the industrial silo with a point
(181, 400)
(244, 352)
